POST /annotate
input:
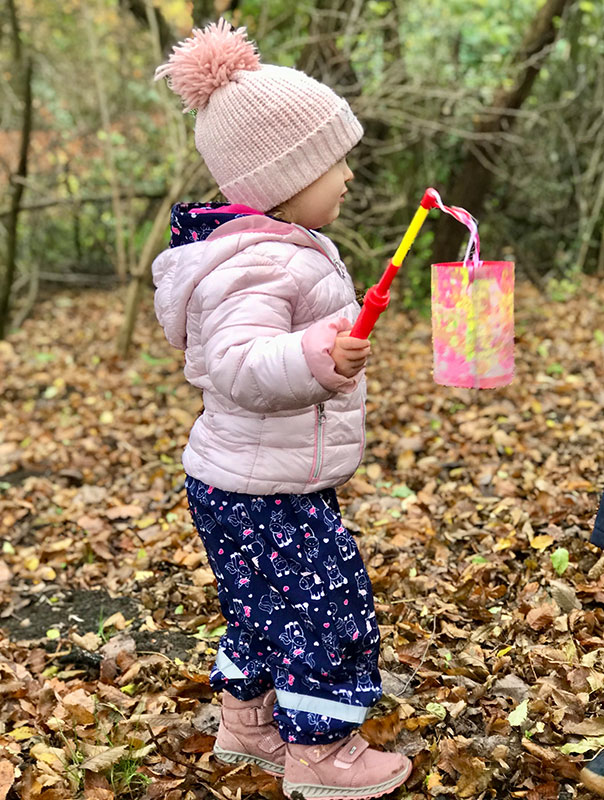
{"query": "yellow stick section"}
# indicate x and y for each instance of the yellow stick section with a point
(409, 237)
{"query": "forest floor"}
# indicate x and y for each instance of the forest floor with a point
(473, 512)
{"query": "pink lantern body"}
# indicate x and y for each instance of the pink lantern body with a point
(473, 324)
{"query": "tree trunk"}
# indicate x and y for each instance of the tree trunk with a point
(138, 9)
(151, 247)
(24, 69)
(121, 262)
(600, 269)
(471, 185)
(590, 226)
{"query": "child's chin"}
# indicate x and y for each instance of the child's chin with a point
(320, 222)
(333, 216)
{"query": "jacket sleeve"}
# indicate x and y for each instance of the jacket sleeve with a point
(252, 355)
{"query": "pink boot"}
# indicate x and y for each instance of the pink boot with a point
(341, 770)
(248, 734)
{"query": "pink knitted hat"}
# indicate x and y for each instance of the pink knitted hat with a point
(265, 132)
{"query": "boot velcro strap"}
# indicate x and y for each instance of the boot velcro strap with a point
(346, 751)
(351, 750)
(264, 715)
(256, 716)
(271, 743)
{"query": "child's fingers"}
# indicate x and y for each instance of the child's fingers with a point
(355, 358)
(356, 363)
(348, 343)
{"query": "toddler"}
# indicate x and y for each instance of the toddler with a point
(262, 305)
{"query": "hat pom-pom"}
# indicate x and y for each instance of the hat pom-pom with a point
(207, 60)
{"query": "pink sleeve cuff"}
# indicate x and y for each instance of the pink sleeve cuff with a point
(317, 341)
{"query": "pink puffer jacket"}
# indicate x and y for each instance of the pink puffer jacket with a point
(256, 307)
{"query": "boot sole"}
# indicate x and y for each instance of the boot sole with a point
(233, 757)
(593, 781)
(310, 790)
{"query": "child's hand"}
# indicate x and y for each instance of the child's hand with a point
(350, 354)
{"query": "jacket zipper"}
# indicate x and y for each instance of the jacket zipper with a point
(339, 266)
(363, 434)
(319, 431)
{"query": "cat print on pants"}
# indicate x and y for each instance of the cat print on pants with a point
(298, 604)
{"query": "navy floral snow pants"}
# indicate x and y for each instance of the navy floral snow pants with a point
(597, 536)
(299, 608)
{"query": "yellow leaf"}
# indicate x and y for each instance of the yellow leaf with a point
(143, 575)
(22, 733)
(47, 574)
(32, 563)
(53, 633)
(541, 542)
(433, 781)
(145, 522)
(106, 418)
(503, 544)
(54, 756)
(504, 651)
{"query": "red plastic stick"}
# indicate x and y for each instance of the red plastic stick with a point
(378, 296)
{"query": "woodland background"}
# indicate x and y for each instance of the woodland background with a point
(496, 103)
(472, 509)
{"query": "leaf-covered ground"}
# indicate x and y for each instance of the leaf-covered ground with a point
(473, 512)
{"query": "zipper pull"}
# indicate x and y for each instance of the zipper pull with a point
(340, 268)
(321, 410)
(337, 263)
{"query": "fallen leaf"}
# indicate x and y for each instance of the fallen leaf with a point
(22, 733)
(542, 542)
(96, 787)
(198, 743)
(382, 730)
(541, 617)
(107, 758)
(5, 572)
(90, 641)
(519, 715)
(123, 512)
(552, 759)
(116, 621)
(81, 706)
(7, 777)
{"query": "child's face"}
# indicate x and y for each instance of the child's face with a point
(319, 204)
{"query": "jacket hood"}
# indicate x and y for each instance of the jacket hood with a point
(202, 238)
(194, 222)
